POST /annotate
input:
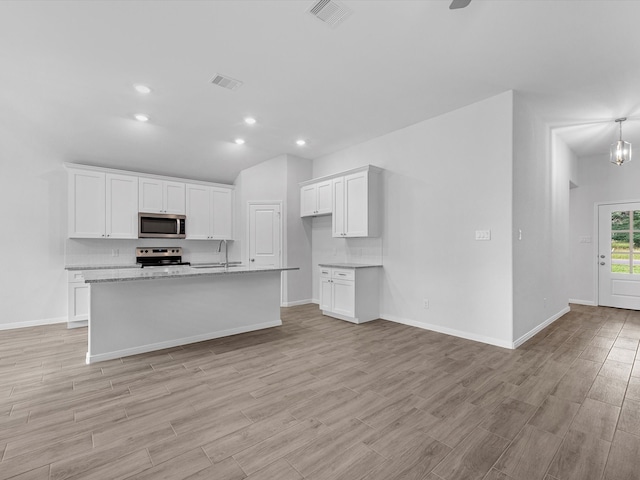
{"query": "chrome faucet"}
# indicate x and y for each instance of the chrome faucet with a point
(226, 252)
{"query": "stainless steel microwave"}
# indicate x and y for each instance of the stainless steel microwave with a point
(161, 225)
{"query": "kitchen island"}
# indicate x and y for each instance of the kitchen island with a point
(135, 310)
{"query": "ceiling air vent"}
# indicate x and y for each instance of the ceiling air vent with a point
(330, 12)
(226, 82)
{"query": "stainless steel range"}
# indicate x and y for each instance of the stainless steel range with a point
(159, 256)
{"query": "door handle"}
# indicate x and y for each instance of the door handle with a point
(601, 256)
(601, 263)
(253, 259)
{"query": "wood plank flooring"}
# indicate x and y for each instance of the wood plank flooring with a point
(322, 399)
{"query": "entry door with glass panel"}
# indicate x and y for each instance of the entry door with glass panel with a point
(619, 255)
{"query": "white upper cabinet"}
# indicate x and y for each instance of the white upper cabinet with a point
(161, 196)
(102, 205)
(222, 221)
(209, 212)
(86, 202)
(356, 204)
(315, 199)
(198, 212)
(351, 198)
(121, 206)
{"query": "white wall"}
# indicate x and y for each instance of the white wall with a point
(277, 180)
(33, 284)
(599, 182)
(444, 179)
(541, 176)
(298, 235)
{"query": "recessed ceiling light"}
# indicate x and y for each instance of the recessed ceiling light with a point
(301, 143)
(142, 89)
(249, 120)
(141, 117)
(239, 141)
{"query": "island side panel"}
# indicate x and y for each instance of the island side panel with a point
(131, 317)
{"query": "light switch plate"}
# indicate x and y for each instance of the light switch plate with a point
(483, 234)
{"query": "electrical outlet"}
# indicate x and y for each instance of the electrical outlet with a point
(425, 304)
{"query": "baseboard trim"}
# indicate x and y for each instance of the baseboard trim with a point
(540, 327)
(297, 302)
(180, 341)
(33, 323)
(448, 331)
(589, 303)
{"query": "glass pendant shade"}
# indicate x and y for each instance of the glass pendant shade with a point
(620, 152)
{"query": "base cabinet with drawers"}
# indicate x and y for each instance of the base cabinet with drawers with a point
(350, 292)
(78, 300)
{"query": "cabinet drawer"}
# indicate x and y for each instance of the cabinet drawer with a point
(76, 276)
(325, 272)
(343, 274)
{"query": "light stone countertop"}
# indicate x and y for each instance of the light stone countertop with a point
(349, 265)
(100, 267)
(181, 271)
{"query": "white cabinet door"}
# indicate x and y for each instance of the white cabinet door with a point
(222, 213)
(78, 299)
(308, 200)
(150, 195)
(356, 205)
(344, 297)
(173, 197)
(316, 199)
(86, 202)
(78, 302)
(209, 212)
(337, 220)
(326, 295)
(323, 195)
(161, 196)
(198, 212)
(121, 206)
(353, 197)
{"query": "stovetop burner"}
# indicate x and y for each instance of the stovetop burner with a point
(159, 256)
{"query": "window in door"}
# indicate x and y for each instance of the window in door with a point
(625, 242)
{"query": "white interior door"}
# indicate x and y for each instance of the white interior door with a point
(619, 255)
(264, 235)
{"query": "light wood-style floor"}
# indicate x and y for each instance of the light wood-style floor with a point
(319, 398)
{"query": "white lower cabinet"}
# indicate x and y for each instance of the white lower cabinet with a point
(78, 300)
(349, 293)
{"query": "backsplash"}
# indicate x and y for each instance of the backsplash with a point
(122, 252)
(329, 249)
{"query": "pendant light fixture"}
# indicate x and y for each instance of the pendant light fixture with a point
(621, 150)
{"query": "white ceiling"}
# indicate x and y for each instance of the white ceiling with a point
(67, 70)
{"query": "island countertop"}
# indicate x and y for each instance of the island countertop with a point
(349, 265)
(182, 271)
